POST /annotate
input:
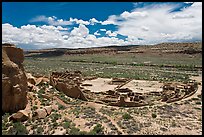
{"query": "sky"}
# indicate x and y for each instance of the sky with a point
(42, 25)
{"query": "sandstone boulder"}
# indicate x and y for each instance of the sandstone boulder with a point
(41, 80)
(20, 116)
(55, 107)
(31, 79)
(48, 109)
(40, 113)
(74, 92)
(14, 81)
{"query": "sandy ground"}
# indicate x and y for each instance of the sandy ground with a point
(188, 119)
(140, 86)
(143, 86)
(99, 85)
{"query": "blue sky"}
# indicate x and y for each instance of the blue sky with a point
(39, 25)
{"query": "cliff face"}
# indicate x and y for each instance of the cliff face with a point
(14, 81)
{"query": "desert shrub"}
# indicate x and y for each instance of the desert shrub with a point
(195, 98)
(5, 121)
(83, 133)
(74, 131)
(42, 91)
(200, 96)
(154, 115)
(46, 119)
(66, 124)
(98, 128)
(55, 124)
(61, 107)
(55, 116)
(198, 103)
(126, 116)
(39, 130)
(173, 124)
(18, 129)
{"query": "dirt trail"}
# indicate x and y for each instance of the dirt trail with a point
(97, 108)
(112, 121)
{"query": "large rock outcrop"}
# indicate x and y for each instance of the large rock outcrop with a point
(68, 83)
(14, 81)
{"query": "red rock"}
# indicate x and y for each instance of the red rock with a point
(20, 116)
(14, 81)
(40, 113)
(48, 109)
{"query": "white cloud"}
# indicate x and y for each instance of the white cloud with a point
(188, 2)
(145, 28)
(151, 22)
(81, 31)
(182, 16)
(111, 20)
(51, 20)
(135, 14)
(96, 33)
(147, 25)
(40, 37)
(93, 21)
(54, 37)
(79, 21)
(54, 21)
(109, 33)
(102, 29)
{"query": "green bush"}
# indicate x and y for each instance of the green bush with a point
(55, 124)
(39, 130)
(18, 129)
(74, 131)
(61, 107)
(195, 98)
(55, 116)
(83, 133)
(66, 124)
(97, 129)
(126, 116)
(198, 103)
(154, 115)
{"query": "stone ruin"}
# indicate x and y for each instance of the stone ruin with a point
(70, 83)
(175, 91)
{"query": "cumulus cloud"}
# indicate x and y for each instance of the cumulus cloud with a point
(143, 25)
(51, 20)
(153, 21)
(182, 16)
(135, 14)
(81, 31)
(41, 37)
(79, 21)
(94, 21)
(111, 20)
(111, 34)
(102, 29)
(96, 33)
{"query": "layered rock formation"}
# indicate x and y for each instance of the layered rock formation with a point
(14, 81)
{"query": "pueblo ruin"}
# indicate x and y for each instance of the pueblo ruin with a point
(115, 92)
